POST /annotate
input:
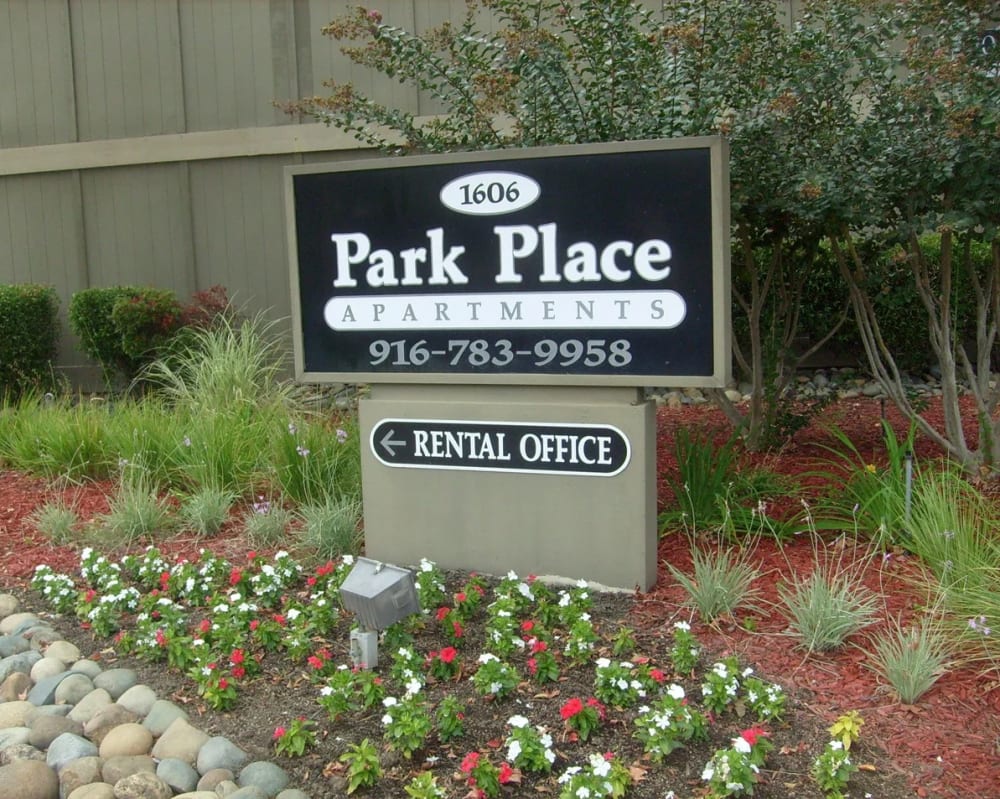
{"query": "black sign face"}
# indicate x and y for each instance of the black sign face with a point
(572, 449)
(591, 265)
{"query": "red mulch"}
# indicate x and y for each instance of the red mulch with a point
(948, 744)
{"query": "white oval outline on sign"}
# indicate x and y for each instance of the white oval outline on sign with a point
(454, 198)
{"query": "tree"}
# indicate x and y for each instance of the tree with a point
(927, 139)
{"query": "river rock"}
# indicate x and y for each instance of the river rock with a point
(95, 701)
(68, 747)
(47, 667)
(142, 786)
(116, 681)
(270, 778)
(80, 772)
(106, 719)
(197, 795)
(161, 715)
(22, 661)
(47, 728)
(20, 752)
(183, 742)
(15, 687)
(28, 779)
(139, 699)
(8, 605)
(180, 776)
(210, 779)
(63, 650)
(126, 739)
(228, 788)
(86, 666)
(12, 713)
(73, 688)
(13, 622)
(44, 692)
(220, 752)
(115, 769)
(13, 736)
(248, 792)
(96, 790)
(292, 793)
(45, 710)
(13, 645)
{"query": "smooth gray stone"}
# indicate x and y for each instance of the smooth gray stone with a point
(15, 687)
(23, 661)
(161, 715)
(42, 636)
(210, 779)
(90, 705)
(267, 776)
(68, 747)
(220, 752)
(116, 681)
(47, 667)
(247, 792)
(139, 699)
(44, 692)
(292, 793)
(228, 788)
(65, 651)
(86, 666)
(16, 623)
(74, 688)
(96, 790)
(13, 645)
(180, 776)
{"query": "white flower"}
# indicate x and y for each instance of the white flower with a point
(387, 719)
(518, 721)
(512, 575)
(741, 745)
(747, 671)
(675, 691)
(836, 745)
(348, 560)
(708, 773)
(568, 775)
(486, 657)
(425, 565)
(326, 690)
(581, 583)
(513, 751)
(599, 765)
(583, 792)
(413, 687)
(292, 614)
(495, 687)
(602, 663)
(390, 701)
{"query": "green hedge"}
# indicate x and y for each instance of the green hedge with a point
(123, 328)
(29, 336)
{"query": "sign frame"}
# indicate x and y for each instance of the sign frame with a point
(486, 161)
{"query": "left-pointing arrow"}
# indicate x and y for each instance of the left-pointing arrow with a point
(390, 443)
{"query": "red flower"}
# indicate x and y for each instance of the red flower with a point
(506, 772)
(457, 630)
(235, 575)
(239, 672)
(527, 626)
(571, 708)
(657, 675)
(279, 619)
(237, 657)
(254, 624)
(594, 702)
(161, 638)
(532, 666)
(223, 683)
(205, 626)
(315, 662)
(442, 613)
(460, 597)
(251, 555)
(537, 646)
(448, 654)
(164, 579)
(752, 734)
(279, 732)
(310, 581)
(469, 762)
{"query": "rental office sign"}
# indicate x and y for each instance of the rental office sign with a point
(582, 265)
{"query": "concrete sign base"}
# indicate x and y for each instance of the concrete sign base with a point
(551, 481)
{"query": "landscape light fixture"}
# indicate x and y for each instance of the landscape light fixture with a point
(379, 594)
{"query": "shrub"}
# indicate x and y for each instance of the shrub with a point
(29, 333)
(146, 321)
(90, 318)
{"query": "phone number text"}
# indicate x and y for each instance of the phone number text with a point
(594, 352)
